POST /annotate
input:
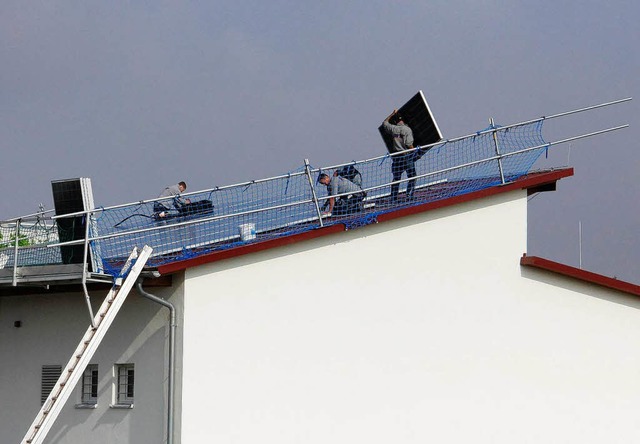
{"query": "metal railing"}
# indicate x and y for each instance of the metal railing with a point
(287, 203)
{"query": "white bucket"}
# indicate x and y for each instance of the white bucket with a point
(3, 260)
(247, 232)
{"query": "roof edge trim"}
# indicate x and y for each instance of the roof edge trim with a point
(249, 248)
(531, 180)
(582, 275)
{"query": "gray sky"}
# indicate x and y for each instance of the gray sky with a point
(137, 95)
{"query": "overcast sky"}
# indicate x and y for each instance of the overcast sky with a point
(137, 95)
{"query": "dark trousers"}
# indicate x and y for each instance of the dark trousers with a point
(159, 208)
(348, 205)
(404, 162)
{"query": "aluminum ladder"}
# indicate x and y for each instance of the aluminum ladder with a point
(84, 352)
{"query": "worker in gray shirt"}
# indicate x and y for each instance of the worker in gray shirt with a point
(402, 141)
(349, 203)
(162, 207)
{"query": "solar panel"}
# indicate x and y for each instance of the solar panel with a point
(417, 115)
(72, 196)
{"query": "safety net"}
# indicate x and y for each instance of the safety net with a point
(306, 198)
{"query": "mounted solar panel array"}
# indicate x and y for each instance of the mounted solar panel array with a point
(417, 115)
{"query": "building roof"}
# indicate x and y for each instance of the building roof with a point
(532, 182)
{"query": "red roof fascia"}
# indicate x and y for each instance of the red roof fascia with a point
(249, 248)
(526, 182)
(529, 181)
(577, 273)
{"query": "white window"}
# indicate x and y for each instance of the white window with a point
(124, 385)
(89, 387)
(50, 375)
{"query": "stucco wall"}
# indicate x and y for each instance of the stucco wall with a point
(435, 335)
(52, 326)
(422, 329)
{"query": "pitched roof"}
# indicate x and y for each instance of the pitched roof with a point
(532, 182)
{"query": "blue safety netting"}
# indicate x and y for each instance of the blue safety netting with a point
(237, 215)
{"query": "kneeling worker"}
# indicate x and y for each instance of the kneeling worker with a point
(351, 202)
(162, 207)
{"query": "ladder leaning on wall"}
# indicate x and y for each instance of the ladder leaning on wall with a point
(87, 347)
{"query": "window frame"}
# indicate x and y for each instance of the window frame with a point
(123, 385)
(89, 387)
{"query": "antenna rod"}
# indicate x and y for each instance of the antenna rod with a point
(580, 240)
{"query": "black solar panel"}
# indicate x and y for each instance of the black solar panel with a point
(67, 198)
(417, 115)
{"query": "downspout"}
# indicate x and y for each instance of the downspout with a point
(172, 347)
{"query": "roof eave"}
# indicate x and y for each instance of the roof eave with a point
(580, 274)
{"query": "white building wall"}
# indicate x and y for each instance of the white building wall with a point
(422, 329)
(52, 326)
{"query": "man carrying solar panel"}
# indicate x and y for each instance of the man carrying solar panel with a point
(402, 141)
(351, 199)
